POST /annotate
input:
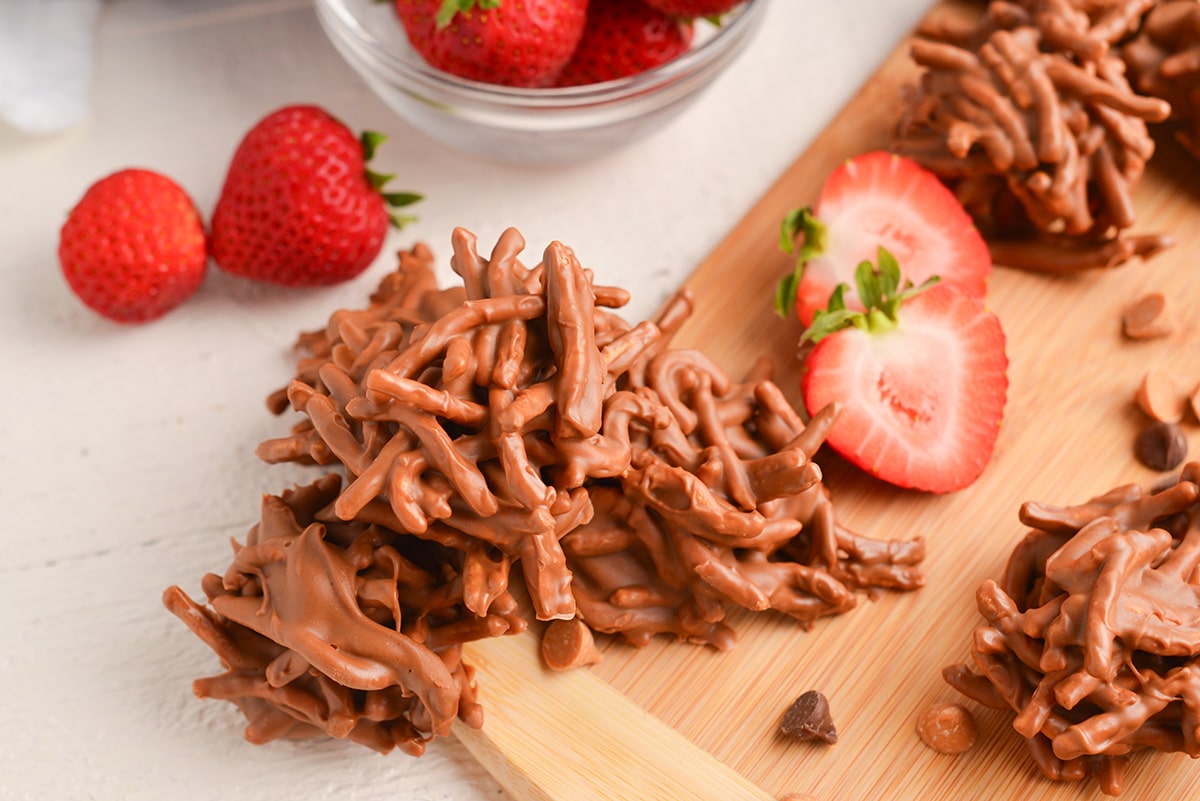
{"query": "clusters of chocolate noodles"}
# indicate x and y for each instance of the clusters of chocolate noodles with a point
(1093, 635)
(1164, 61)
(342, 629)
(513, 423)
(1029, 116)
(518, 417)
(719, 507)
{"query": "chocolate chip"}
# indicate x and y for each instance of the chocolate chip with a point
(947, 728)
(1159, 397)
(1149, 317)
(1161, 446)
(568, 644)
(808, 718)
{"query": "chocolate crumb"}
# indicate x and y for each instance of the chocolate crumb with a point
(947, 728)
(1161, 446)
(808, 718)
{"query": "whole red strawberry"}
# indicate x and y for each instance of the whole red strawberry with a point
(512, 42)
(299, 206)
(694, 8)
(133, 247)
(622, 38)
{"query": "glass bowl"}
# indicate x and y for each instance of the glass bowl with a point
(527, 126)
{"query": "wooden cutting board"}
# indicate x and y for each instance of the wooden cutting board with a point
(675, 721)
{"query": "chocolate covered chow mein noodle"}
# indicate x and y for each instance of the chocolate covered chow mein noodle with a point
(1093, 634)
(1164, 61)
(341, 629)
(515, 425)
(1028, 115)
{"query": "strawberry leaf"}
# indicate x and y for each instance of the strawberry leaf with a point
(797, 222)
(867, 282)
(371, 140)
(834, 318)
(837, 301)
(785, 292)
(399, 199)
(802, 221)
(889, 271)
(378, 179)
(449, 8)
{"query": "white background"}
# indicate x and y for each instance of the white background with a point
(127, 451)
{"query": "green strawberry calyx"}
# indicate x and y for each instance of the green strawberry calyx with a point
(797, 223)
(449, 8)
(371, 140)
(882, 293)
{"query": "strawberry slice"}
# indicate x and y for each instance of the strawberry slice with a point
(880, 200)
(920, 379)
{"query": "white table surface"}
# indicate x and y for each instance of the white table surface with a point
(127, 451)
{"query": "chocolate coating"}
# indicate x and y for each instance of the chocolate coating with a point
(1164, 61)
(335, 628)
(1028, 116)
(636, 485)
(1092, 636)
(515, 426)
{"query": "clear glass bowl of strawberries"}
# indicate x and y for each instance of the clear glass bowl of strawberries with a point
(539, 81)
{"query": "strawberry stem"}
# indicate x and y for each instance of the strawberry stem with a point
(449, 8)
(882, 293)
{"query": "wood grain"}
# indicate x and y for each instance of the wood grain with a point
(1067, 436)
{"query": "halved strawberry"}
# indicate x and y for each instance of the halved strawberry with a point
(880, 200)
(920, 378)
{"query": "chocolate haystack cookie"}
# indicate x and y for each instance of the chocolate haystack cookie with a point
(340, 628)
(514, 429)
(1028, 116)
(1093, 634)
(1164, 61)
